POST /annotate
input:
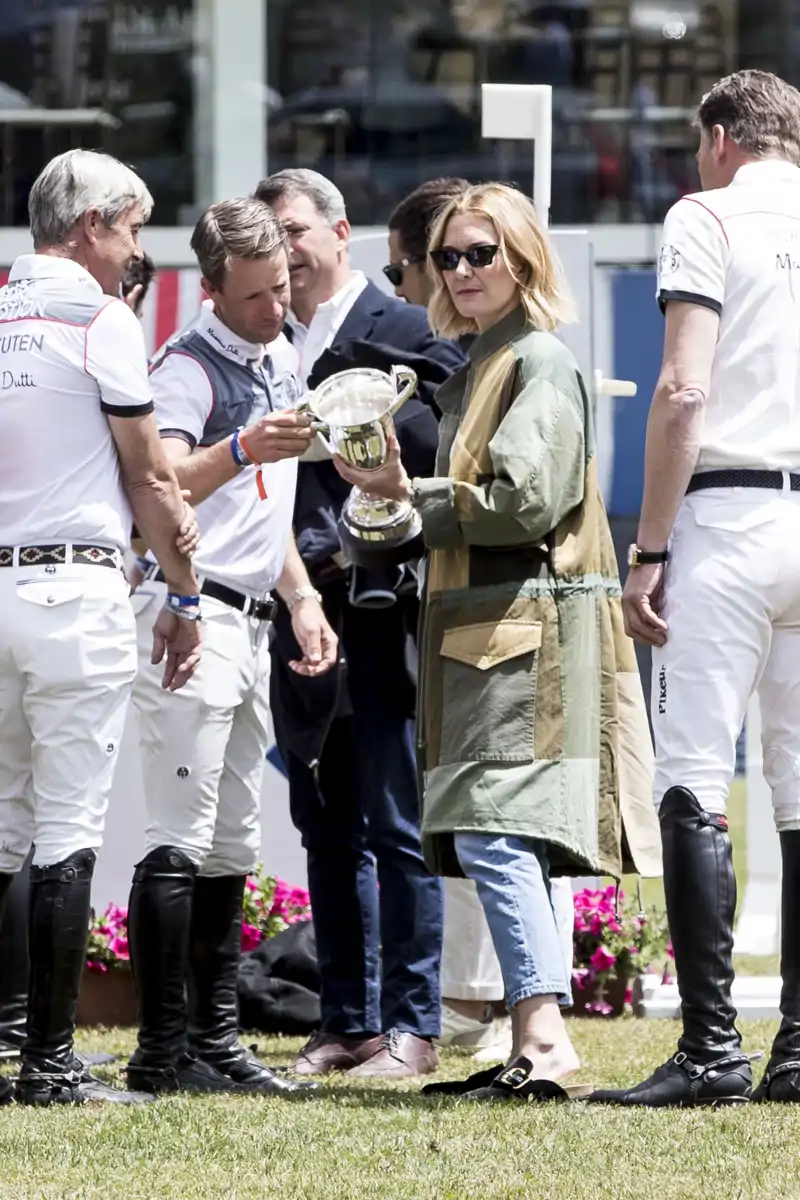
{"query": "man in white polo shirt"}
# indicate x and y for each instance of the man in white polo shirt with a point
(721, 509)
(79, 451)
(224, 411)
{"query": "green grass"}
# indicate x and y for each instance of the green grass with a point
(390, 1142)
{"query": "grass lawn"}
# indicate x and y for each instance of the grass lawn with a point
(361, 1141)
(387, 1141)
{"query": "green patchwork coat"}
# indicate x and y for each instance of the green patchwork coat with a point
(531, 715)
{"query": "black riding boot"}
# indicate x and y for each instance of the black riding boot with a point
(6, 1090)
(159, 918)
(51, 1073)
(781, 1080)
(14, 965)
(700, 889)
(215, 950)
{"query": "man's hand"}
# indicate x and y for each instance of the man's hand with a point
(315, 637)
(389, 481)
(180, 640)
(642, 599)
(279, 435)
(189, 532)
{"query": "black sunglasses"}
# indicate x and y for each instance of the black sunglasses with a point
(394, 271)
(448, 258)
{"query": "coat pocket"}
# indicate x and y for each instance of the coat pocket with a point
(489, 691)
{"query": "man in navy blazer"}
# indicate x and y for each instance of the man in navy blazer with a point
(347, 739)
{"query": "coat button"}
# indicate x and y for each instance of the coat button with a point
(51, 599)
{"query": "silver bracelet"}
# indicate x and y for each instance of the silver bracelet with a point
(303, 593)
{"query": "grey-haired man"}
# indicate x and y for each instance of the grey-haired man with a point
(79, 455)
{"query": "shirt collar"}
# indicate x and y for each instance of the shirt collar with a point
(225, 341)
(339, 301)
(507, 328)
(49, 266)
(768, 168)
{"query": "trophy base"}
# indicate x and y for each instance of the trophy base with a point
(378, 548)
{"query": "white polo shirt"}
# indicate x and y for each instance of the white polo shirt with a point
(310, 341)
(70, 356)
(736, 250)
(243, 539)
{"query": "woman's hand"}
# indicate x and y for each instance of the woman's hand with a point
(389, 481)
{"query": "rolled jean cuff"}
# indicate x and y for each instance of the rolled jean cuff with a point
(531, 990)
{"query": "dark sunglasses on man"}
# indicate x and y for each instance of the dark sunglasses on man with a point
(394, 271)
(448, 258)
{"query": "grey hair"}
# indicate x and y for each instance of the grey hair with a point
(75, 182)
(324, 195)
(245, 228)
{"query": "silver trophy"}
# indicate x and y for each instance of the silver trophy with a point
(353, 413)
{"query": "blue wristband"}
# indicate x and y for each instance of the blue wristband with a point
(237, 450)
(176, 601)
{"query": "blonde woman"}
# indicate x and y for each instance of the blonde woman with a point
(532, 732)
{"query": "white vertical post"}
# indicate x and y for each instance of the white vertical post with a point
(758, 927)
(230, 98)
(524, 112)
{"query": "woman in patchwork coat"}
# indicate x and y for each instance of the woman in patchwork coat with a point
(534, 747)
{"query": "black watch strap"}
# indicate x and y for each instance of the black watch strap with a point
(645, 558)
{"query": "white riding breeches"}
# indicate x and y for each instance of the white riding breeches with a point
(67, 663)
(732, 604)
(203, 747)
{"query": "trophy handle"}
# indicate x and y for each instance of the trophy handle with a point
(406, 379)
(318, 426)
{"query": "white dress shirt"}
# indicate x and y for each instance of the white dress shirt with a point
(310, 341)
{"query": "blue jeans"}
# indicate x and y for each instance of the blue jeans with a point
(512, 876)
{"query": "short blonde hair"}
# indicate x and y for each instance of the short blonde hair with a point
(527, 252)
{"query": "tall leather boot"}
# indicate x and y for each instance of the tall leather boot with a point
(215, 951)
(159, 918)
(58, 929)
(6, 1090)
(781, 1081)
(14, 964)
(700, 888)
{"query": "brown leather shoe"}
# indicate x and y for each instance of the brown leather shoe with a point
(400, 1056)
(325, 1052)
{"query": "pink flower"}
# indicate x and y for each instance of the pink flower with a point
(670, 951)
(602, 960)
(251, 884)
(119, 948)
(99, 967)
(582, 977)
(628, 995)
(251, 937)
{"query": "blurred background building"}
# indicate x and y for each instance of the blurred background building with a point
(203, 97)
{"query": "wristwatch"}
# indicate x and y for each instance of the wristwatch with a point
(645, 558)
(303, 593)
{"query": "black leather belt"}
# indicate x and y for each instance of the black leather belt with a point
(742, 479)
(58, 555)
(260, 610)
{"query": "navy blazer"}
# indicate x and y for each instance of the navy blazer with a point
(379, 331)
